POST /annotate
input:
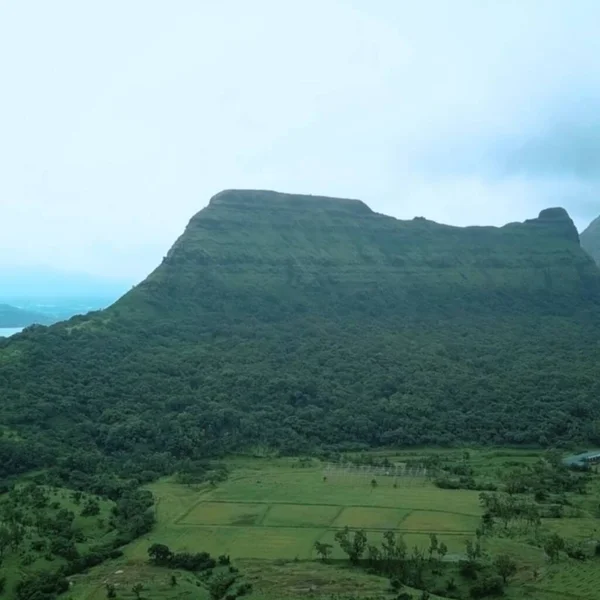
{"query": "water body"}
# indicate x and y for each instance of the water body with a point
(8, 331)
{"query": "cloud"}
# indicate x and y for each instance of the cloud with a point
(122, 119)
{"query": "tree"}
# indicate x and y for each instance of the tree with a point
(17, 534)
(5, 540)
(554, 544)
(323, 550)
(137, 589)
(442, 551)
(354, 548)
(487, 521)
(373, 483)
(374, 555)
(220, 584)
(91, 508)
(505, 566)
(473, 551)
(417, 561)
(433, 545)
(359, 545)
(159, 554)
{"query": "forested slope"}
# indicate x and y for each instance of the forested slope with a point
(298, 322)
(590, 240)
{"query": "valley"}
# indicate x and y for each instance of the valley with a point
(269, 515)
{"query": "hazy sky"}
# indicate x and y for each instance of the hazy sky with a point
(120, 119)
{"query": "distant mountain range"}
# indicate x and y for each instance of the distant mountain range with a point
(11, 316)
(44, 295)
(590, 240)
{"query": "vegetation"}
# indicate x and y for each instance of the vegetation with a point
(414, 538)
(303, 324)
(315, 328)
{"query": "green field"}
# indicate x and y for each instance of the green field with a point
(268, 515)
(280, 512)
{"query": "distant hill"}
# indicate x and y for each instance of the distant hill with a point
(590, 240)
(36, 282)
(11, 316)
(302, 323)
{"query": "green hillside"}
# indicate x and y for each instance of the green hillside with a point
(590, 240)
(299, 323)
(11, 316)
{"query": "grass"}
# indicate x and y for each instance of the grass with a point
(258, 514)
(282, 515)
(94, 529)
(269, 515)
(223, 513)
(370, 518)
(439, 522)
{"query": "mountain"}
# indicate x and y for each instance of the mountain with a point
(301, 322)
(11, 316)
(590, 240)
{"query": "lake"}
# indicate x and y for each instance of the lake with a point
(8, 331)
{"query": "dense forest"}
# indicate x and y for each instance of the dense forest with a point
(302, 324)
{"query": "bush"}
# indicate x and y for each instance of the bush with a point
(44, 586)
(244, 589)
(489, 586)
(468, 569)
(576, 552)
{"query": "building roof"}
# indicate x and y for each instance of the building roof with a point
(584, 457)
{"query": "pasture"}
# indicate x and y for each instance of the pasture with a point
(280, 512)
(270, 512)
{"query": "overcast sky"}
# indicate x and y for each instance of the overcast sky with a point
(119, 119)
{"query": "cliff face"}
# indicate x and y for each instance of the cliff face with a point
(299, 322)
(590, 240)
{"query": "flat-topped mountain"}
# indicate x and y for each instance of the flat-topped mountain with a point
(298, 322)
(590, 240)
(272, 255)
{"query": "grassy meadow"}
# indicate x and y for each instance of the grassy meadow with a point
(270, 512)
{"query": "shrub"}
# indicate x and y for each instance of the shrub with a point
(488, 586)
(468, 569)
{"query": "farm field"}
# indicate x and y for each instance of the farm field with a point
(270, 512)
(281, 512)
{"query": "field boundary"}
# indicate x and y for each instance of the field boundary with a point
(290, 503)
(321, 527)
(260, 521)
